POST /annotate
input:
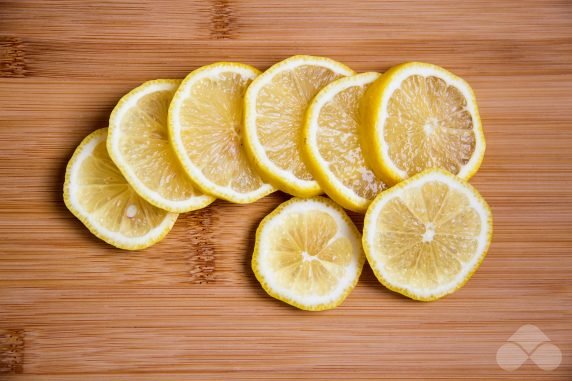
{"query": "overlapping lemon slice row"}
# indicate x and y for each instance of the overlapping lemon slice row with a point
(305, 126)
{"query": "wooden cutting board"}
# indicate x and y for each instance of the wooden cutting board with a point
(74, 308)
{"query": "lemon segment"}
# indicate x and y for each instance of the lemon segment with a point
(421, 116)
(205, 124)
(275, 107)
(96, 192)
(308, 254)
(332, 148)
(425, 237)
(138, 143)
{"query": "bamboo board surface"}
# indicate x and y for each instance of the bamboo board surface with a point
(74, 308)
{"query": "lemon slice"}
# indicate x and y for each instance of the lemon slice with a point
(425, 237)
(96, 192)
(308, 254)
(275, 107)
(139, 145)
(205, 124)
(332, 149)
(421, 116)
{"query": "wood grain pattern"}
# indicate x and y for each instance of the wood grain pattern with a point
(72, 307)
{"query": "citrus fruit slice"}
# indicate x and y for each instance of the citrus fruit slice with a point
(426, 236)
(421, 116)
(205, 124)
(96, 192)
(331, 147)
(138, 144)
(275, 107)
(308, 254)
